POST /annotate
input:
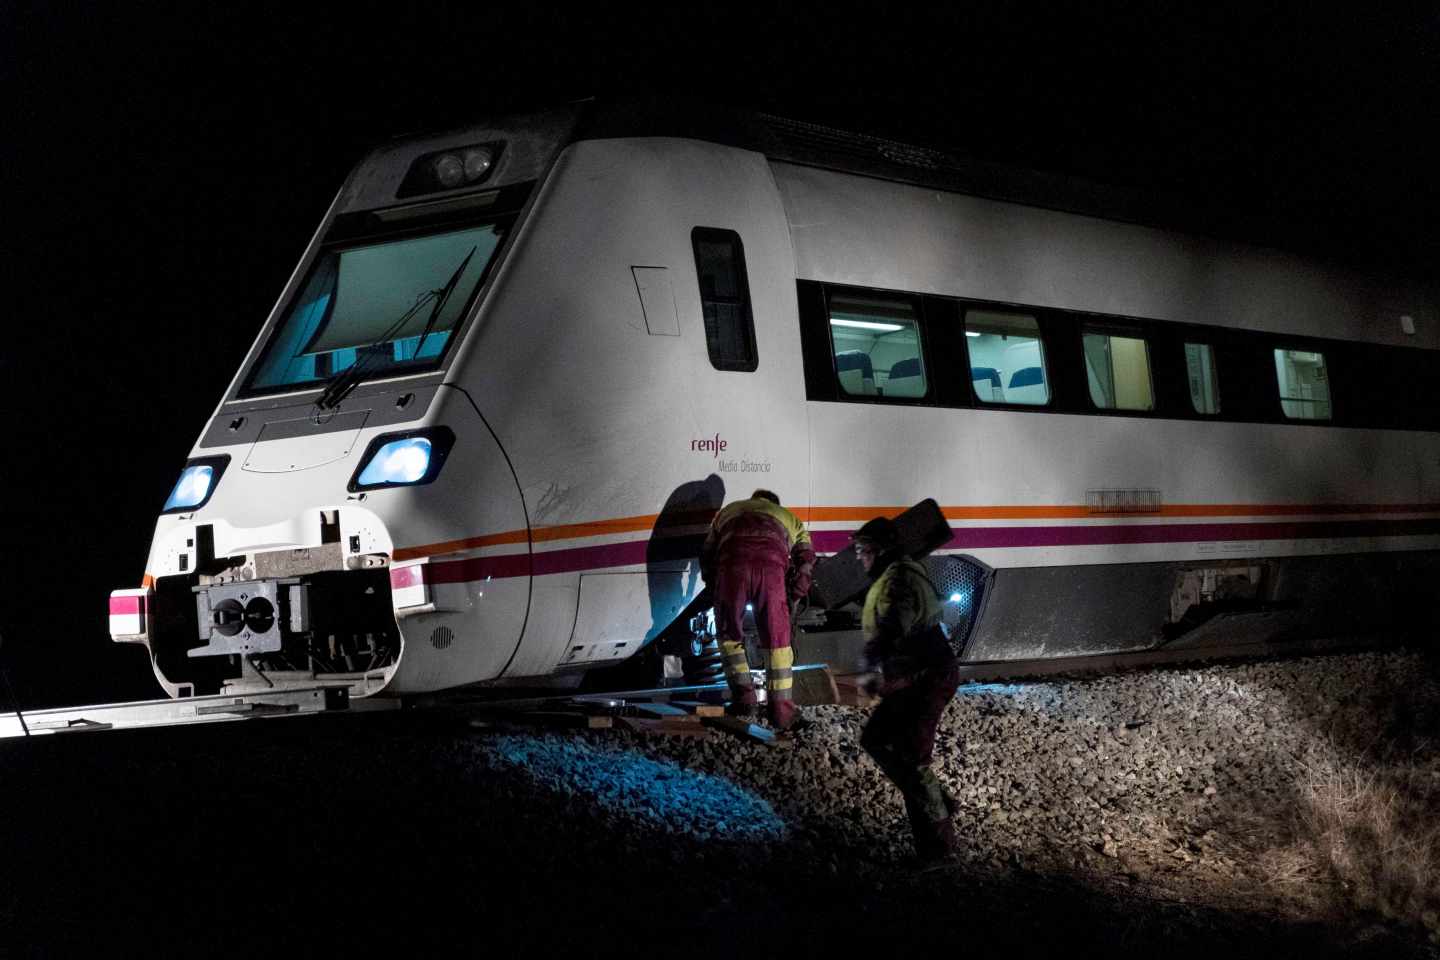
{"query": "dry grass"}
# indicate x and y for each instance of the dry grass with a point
(1373, 829)
(1288, 866)
(1364, 836)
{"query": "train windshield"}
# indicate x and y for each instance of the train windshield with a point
(379, 309)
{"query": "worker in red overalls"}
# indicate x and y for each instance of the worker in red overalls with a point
(758, 554)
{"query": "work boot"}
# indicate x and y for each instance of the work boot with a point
(743, 701)
(935, 842)
(786, 717)
(779, 687)
(743, 705)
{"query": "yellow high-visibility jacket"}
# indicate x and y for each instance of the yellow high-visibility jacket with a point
(796, 540)
(901, 616)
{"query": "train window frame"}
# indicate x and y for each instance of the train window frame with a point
(916, 317)
(351, 239)
(1112, 331)
(1042, 348)
(1277, 349)
(1246, 387)
(751, 362)
(1215, 395)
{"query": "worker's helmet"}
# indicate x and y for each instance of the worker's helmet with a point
(880, 533)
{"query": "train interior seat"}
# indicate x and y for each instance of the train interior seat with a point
(906, 379)
(1098, 394)
(413, 348)
(986, 381)
(857, 376)
(1027, 385)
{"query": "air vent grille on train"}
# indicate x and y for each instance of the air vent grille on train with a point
(961, 585)
(812, 144)
(859, 146)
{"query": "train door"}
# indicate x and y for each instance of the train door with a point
(643, 367)
(748, 406)
(741, 405)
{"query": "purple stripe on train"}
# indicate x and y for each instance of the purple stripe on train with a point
(633, 553)
(971, 538)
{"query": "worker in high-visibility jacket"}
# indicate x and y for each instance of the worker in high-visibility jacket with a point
(758, 554)
(915, 671)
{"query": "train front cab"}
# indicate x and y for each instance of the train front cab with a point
(566, 358)
(283, 577)
(348, 515)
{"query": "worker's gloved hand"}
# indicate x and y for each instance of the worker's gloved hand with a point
(870, 684)
(800, 573)
(897, 673)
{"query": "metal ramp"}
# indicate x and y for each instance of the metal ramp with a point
(166, 713)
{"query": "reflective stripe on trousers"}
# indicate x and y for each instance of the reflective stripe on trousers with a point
(779, 678)
(737, 667)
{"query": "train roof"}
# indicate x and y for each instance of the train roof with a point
(948, 168)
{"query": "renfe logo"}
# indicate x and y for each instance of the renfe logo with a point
(714, 446)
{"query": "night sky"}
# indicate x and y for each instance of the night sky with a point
(165, 167)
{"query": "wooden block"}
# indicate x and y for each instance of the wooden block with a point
(849, 694)
(841, 578)
(814, 686)
(922, 529)
(668, 726)
(559, 719)
(701, 709)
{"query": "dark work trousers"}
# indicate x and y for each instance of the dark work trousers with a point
(900, 737)
(752, 570)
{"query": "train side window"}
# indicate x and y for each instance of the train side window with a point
(1304, 386)
(1118, 370)
(1007, 358)
(1204, 388)
(725, 299)
(876, 342)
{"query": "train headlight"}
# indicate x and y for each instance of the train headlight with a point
(450, 169)
(403, 459)
(197, 482)
(399, 461)
(477, 163)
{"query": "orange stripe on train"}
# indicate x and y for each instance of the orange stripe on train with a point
(645, 522)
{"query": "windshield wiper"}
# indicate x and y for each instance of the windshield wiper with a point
(348, 379)
(445, 292)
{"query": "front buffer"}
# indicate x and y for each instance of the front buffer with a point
(221, 616)
(390, 591)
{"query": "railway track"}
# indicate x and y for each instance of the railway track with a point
(639, 708)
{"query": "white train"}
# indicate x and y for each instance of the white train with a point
(521, 364)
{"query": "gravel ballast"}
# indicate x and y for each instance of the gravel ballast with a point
(1145, 808)
(1145, 768)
